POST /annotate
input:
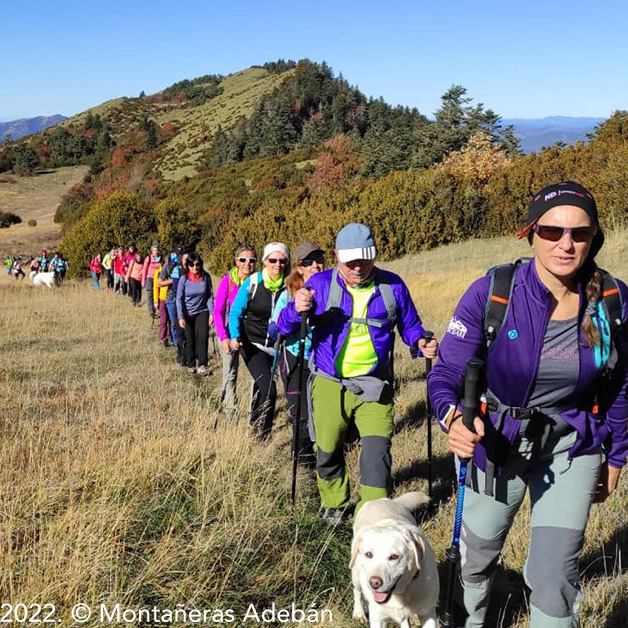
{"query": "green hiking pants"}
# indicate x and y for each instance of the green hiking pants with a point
(335, 409)
(561, 492)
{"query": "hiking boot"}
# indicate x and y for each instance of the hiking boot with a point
(192, 370)
(334, 516)
(203, 371)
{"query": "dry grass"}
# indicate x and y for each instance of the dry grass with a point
(36, 197)
(114, 486)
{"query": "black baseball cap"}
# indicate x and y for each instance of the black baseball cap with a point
(564, 193)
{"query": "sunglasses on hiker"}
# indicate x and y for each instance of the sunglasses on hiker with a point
(191, 264)
(274, 260)
(554, 234)
(247, 260)
(306, 263)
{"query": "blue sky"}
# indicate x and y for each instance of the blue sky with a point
(526, 60)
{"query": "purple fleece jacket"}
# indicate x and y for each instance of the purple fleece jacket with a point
(329, 332)
(513, 360)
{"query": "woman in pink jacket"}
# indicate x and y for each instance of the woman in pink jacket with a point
(151, 264)
(134, 278)
(245, 260)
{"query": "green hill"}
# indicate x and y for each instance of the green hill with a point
(181, 151)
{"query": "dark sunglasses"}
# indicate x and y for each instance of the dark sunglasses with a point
(190, 264)
(306, 263)
(274, 260)
(554, 234)
(247, 260)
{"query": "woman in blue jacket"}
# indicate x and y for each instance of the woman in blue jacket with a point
(249, 319)
(554, 426)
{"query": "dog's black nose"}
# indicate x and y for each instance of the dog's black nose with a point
(375, 582)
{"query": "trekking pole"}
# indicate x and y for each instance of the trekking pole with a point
(223, 393)
(469, 411)
(275, 368)
(414, 354)
(296, 428)
(428, 335)
(273, 371)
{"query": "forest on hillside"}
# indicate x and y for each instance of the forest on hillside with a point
(314, 154)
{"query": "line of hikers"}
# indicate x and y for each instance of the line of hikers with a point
(40, 264)
(553, 415)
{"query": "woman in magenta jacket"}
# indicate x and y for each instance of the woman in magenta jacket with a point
(245, 261)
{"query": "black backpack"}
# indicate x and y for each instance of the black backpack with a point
(500, 293)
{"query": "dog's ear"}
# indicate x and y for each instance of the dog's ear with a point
(355, 548)
(417, 547)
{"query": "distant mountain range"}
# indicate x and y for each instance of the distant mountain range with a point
(535, 133)
(28, 126)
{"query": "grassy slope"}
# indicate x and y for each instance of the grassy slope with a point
(241, 91)
(35, 197)
(114, 486)
(179, 156)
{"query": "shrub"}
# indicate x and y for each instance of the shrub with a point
(119, 220)
(8, 218)
(73, 203)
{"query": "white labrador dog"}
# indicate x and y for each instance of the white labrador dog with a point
(42, 279)
(392, 564)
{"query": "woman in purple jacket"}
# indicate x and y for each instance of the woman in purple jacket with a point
(543, 430)
(195, 306)
(245, 260)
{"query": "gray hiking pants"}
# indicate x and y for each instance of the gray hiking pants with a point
(230, 364)
(150, 305)
(561, 493)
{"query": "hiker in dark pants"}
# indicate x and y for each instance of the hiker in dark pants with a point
(167, 277)
(134, 278)
(554, 426)
(248, 327)
(195, 305)
(310, 259)
(354, 310)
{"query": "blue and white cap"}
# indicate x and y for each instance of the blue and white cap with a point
(355, 241)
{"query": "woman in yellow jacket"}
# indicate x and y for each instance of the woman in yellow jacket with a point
(159, 300)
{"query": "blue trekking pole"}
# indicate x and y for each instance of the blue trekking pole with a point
(275, 367)
(469, 411)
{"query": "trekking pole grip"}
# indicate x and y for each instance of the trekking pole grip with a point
(428, 335)
(470, 402)
(303, 330)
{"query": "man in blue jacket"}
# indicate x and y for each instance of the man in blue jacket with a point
(354, 309)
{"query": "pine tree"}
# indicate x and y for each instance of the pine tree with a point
(25, 160)
(510, 142)
(151, 136)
